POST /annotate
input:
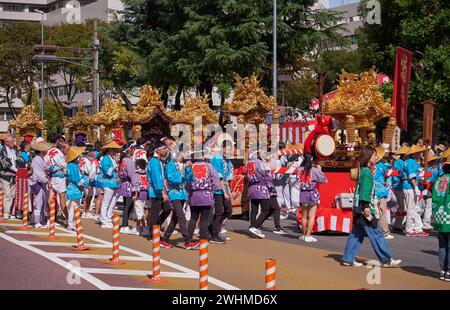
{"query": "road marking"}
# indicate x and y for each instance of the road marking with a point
(130, 272)
(96, 256)
(191, 272)
(123, 288)
(78, 271)
(184, 272)
(45, 243)
(35, 233)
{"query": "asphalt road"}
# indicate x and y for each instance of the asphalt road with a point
(419, 254)
(237, 264)
(21, 269)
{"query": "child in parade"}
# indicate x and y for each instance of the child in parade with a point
(178, 196)
(38, 182)
(75, 185)
(202, 181)
(139, 189)
(257, 175)
(272, 208)
(364, 222)
(108, 181)
(126, 171)
(308, 178)
(411, 191)
(440, 219)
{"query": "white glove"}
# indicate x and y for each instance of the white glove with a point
(417, 191)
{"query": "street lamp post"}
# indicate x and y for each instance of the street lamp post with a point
(42, 65)
(274, 49)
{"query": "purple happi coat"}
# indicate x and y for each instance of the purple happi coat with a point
(139, 183)
(259, 180)
(203, 180)
(126, 172)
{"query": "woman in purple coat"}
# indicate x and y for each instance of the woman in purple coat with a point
(126, 172)
(258, 178)
(202, 180)
(308, 177)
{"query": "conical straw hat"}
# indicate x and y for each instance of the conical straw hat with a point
(74, 152)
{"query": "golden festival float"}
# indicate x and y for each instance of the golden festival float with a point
(111, 120)
(149, 118)
(358, 105)
(80, 128)
(28, 124)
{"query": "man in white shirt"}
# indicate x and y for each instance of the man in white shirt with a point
(8, 175)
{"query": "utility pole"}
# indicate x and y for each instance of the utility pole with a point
(95, 73)
(275, 50)
(41, 105)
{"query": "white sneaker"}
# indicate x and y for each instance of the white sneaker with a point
(302, 237)
(283, 217)
(223, 231)
(392, 263)
(126, 230)
(107, 226)
(354, 264)
(6, 217)
(38, 226)
(389, 237)
(256, 232)
(310, 239)
(279, 231)
(135, 231)
(196, 232)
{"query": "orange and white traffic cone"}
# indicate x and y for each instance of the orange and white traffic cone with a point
(115, 255)
(80, 238)
(1, 205)
(270, 274)
(155, 278)
(51, 234)
(25, 213)
(203, 265)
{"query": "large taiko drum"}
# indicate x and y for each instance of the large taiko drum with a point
(324, 145)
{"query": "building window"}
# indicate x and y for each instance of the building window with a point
(13, 7)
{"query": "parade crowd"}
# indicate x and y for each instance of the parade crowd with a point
(159, 185)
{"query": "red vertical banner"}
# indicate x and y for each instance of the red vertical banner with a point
(403, 63)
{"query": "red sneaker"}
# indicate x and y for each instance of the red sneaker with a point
(412, 234)
(166, 245)
(191, 245)
(423, 234)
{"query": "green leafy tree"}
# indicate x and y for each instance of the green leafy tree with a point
(423, 27)
(197, 43)
(18, 71)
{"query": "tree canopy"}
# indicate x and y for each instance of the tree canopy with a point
(197, 43)
(423, 27)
